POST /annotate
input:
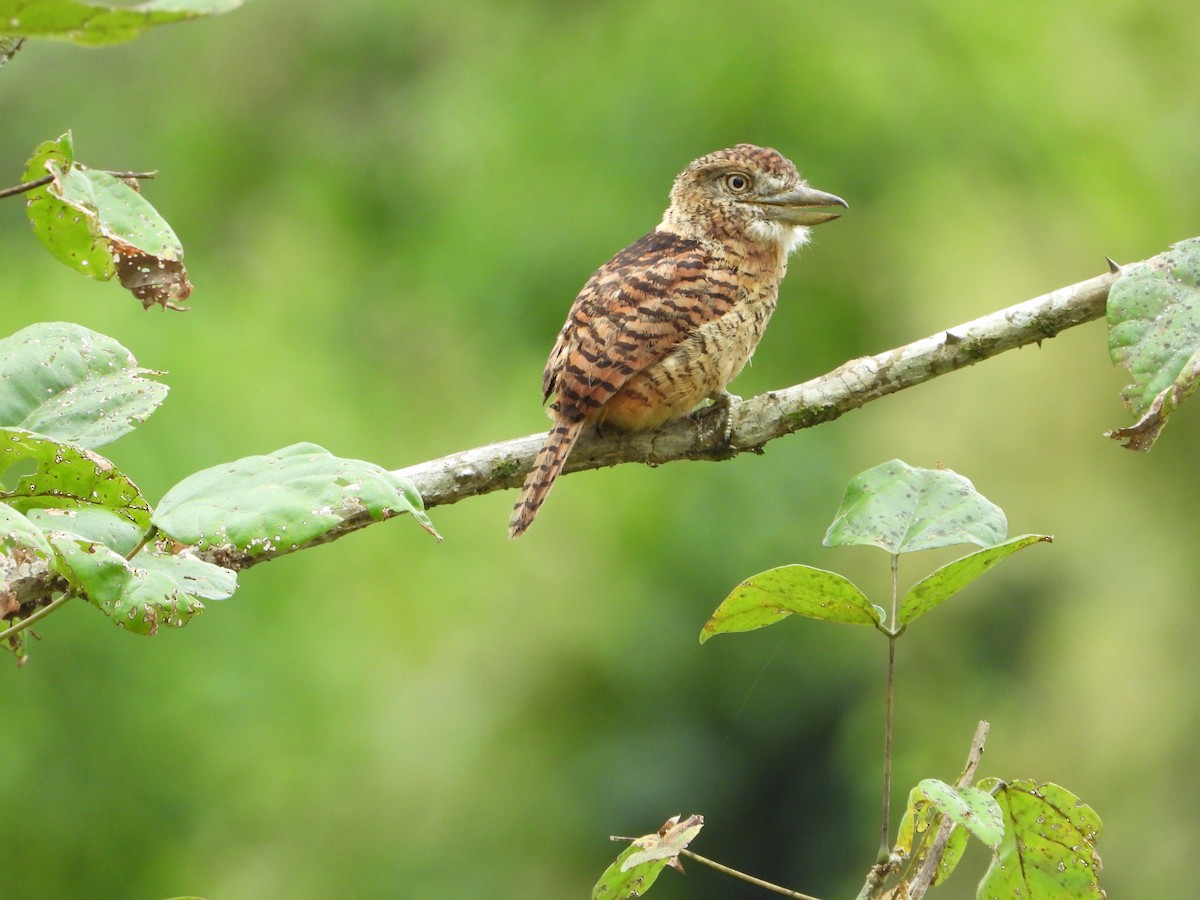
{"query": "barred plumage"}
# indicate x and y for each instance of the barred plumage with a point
(670, 320)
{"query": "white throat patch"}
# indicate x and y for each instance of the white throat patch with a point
(788, 238)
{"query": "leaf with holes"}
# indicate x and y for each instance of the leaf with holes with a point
(902, 509)
(1154, 332)
(636, 869)
(96, 24)
(73, 384)
(65, 477)
(21, 542)
(917, 830)
(94, 523)
(151, 590)
(100, 226)
(1049, 846)
(974, 809)
(284, 500)
(942, 584)
(770, 596)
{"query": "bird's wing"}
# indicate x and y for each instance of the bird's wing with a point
(631, 313)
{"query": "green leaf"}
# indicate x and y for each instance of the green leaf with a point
(94, 523)
(66, 477)
(73, 384)
(100, 226)
(18, 533)
(69, 237)
(918, 827)
(944, 583)
(1154, 332)
(618, 883)
(956, 844)
(632, 873)
(1049, 846)
(97, 24)
(767, 597)
(152, 590)
(281, 501)
(901, 509)
(974, 809)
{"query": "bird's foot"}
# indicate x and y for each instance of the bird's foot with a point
(723, 401)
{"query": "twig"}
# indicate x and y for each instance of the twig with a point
(758, 882)
(46, 179)
(34, 616)
(753, 422)
(761, 419)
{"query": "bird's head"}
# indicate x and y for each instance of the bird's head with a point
(748, 193)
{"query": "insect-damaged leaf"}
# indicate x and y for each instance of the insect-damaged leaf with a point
(70, 383)
(1049, 846)
(901, 509)
(767, 597)
(96, 24)
(262, 504)
(66, 477)
(151, 590)
(1154, 332)
(636, 869)
(969, 807)
(100, 226)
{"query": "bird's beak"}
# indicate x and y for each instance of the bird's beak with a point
(803, 206)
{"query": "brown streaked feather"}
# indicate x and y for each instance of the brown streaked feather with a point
(546, 467)
(638, 306)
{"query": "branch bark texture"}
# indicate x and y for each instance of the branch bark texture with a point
(761, 419)
(752, 423)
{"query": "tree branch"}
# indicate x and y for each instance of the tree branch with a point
(753, 422)
(768, 416)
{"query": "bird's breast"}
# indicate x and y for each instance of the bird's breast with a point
(701, 365)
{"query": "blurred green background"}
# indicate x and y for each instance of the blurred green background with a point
(388, 208)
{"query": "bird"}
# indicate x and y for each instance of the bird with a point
(669, 321)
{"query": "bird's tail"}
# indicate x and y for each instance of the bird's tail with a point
(546, 466)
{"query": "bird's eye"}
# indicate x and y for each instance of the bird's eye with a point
(737, 182)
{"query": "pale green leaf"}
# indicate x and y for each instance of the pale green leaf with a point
(92, 522)
(902, 509)
(281, 501)
(96, 24)
(141, 595)
(1154, 332)
(18, 533)
(73, 384)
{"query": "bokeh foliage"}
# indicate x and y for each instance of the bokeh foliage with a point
(387, 208)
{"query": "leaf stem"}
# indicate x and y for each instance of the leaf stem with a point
(150, 534)
(750, 879)
(46, 179)
(884, 842)
(34, 616)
